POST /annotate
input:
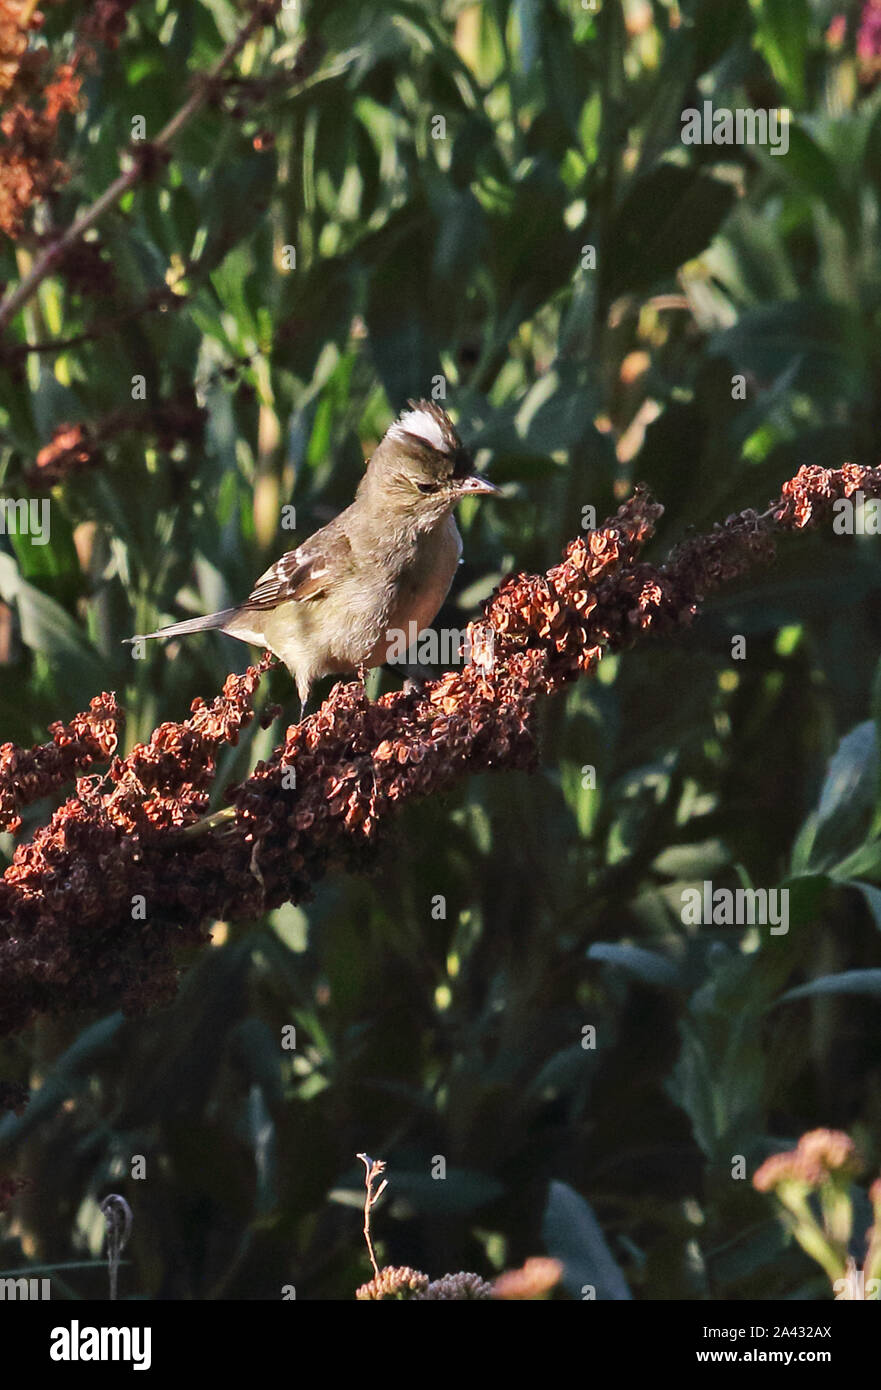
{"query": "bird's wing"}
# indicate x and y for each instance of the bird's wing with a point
(303, 573)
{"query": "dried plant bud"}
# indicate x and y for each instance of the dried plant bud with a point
(457, 1286)
(26, 775)
(105, 22)
(9, 1190)
(809, 496)
(535, 1279)
(399, 1282)
(72, 449)
(820, 1154)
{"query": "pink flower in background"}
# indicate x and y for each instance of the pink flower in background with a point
(869, 40)
(837, 31)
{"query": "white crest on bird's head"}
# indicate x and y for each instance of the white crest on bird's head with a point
(426, 421)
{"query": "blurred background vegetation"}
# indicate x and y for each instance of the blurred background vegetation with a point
(438, 170)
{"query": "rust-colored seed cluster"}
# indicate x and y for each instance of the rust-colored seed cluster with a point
(810, 496)
(76, 447)
(69, 934)
(106, 20)
(70, 450)
(14, 27)
(34, 102)
(29, 167)
(562, 614)
(86, 871)
(26, 775)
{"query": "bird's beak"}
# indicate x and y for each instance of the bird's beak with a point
(474, 484)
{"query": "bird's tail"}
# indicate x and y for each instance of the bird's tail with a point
(190, 625)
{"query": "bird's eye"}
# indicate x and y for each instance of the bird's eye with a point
(428, 487)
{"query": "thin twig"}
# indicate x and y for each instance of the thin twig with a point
(157, 299)
(375, 1169)
(119, 1219)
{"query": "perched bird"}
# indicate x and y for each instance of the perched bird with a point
(328, 607)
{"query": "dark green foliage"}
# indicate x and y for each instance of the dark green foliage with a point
(457, 1031)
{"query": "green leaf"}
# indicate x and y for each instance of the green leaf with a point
(584, 802)
(70, 1072)
(647, 966)
(48, 628)
(462, 1190)
(262, 1134)
(231, 204)
(55, 560)
(669, 216)
(558, 411)
(53, 404)
(852, 775)
(693, 1087)
(526, 14)
(698, 861)
(573, 1236)
(783, 32)
(812, 170)
(846, 982)
(807, 897)
(848, 798)
(825, 339)
(404, 334)
(865, 862)
(563, 82)
(872, 898)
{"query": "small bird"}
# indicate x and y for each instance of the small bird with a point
(330, 606)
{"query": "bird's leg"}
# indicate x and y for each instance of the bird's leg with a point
(304, 700)
(415, 675)
(361, 672)
(362, 676)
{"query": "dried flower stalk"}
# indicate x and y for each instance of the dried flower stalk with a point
(92, 910)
